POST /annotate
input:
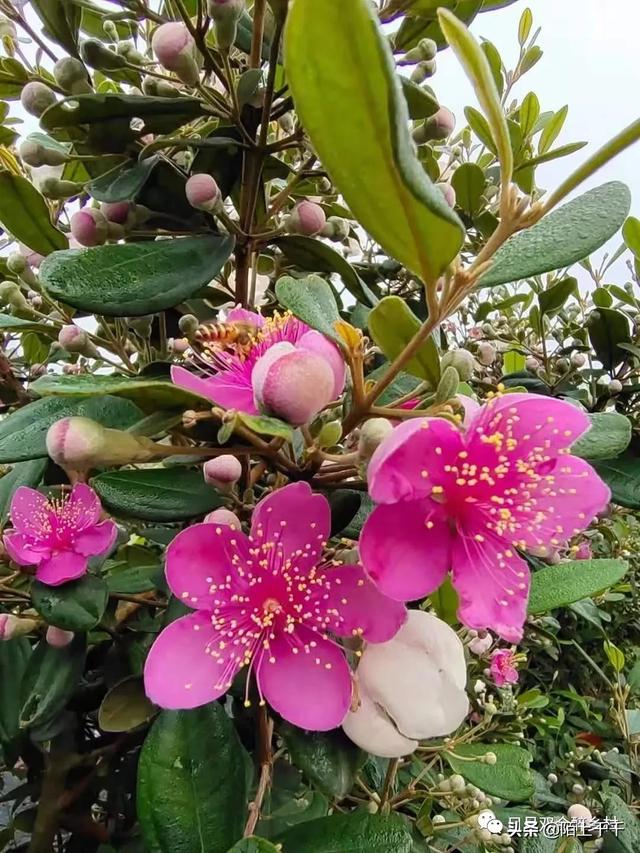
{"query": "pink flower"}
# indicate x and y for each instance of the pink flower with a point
(229, 367)
(268, 602)
(583, 551)
(503, 667)
(467, 502)
(57, 536)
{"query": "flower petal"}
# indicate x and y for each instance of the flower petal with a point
(317, 343)
(404, 557)
(309, 685)
(242, 315)
(566, 502)
(373, 730)
(227, 389)
(297, 519)
(180, 671)
(82, 508)
(61, 567)
(492, 582)
(96, 540)
(30, 512)
(23, 550)
(410, 461)
(360, 607)
(202, 564)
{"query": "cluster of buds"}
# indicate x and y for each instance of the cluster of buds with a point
(93, 226)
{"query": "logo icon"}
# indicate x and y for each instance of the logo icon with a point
(488, 820)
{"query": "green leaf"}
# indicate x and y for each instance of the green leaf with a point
(552, 130)
(555, 154)
(563, 237)
(357, 832)
(192, 787)
(49, 681)
(445, 602)
(76, 606)
(532, 56)
(622, 475)
(420, 102)
(614, 655)
(468, 181)
(524, 26)
(480, 126)
(149, 394)
(609, 436)
(264, 425)
(509, 778)
(23, 433)
(513, 362)
(328, 759)
(312, 300)
(312, 255)
(22, 474)
(562, 584)
(9, 323)
(114, 112)
(157, 494)
(25, 215)
(365, 122)
(14, 657)
(134, 279)
(61, 20)
(122, 183)
(125, 707)
(392, 325)
(529, 112)
(627, 839)
(607, 329)
(254, 844)
(552, 299)
(631, 235)
(478, 70)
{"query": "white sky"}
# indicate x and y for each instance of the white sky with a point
(591, 62)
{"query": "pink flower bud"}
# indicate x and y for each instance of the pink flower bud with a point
(292, 384)
(174, 48)
(486, 353)
(307, 218)
(223, 472)
(223, 516)
(12, 626)
(32, 258)
(119, 212)
(58, 638)
(203, 192)
(73, 338)
(448, 192)
(80, 444)
(445, 121)
(178, 346)
(89, 227)
(579, 812)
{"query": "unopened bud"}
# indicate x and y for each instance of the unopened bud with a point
(223, 516)
(119, 212)
(130, 52)
(490, 758)
(17, 264)
(35, 154)
(336, 229)
(174, 48)
(11, 295)
(12, 626)
(578, 359)
(203, 193)
(57, 189)
(486, 353)
(615, 386)
(437, 127)
(330, 434)
(95, 54)
(448, 385)
(36, 98)
(448, 192)
(80, 444)
(423, 71)
(74, 339)
(532, 364)
(579, 812)
(188, 324)
(89, 227)
(425, 50)
(225, 15)
(307, 218)
(177, 346)
(159, 88)
(372, 434)
(58, 638)
(71, 75)
(462, 360)
(222, 472)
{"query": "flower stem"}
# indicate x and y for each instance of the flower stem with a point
(265, 734)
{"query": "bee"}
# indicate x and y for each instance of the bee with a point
(232, 336)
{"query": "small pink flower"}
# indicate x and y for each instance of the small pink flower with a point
(503, 667)
(469, 501)
(57, 536)
(268, 602)
(229, 368)
(583, 551)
